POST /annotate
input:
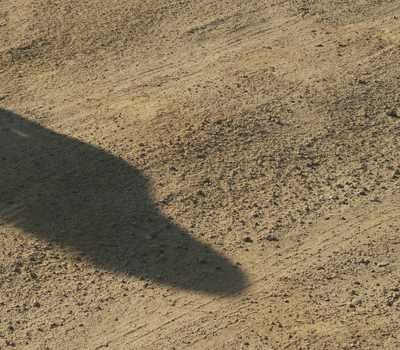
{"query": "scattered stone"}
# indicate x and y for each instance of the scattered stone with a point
(10, 343)
(247, 239)
(356, 302)
(272, 237)
(383, 264)
(393, 113)
(202, 261)
(364, 261)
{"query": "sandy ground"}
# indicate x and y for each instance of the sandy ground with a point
(199, 174)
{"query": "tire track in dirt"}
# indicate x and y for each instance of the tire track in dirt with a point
(326, 240)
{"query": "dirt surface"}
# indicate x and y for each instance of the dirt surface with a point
(199, 174)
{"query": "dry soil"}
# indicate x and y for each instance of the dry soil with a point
(199, 174)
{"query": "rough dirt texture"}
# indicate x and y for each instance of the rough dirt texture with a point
(199, 174)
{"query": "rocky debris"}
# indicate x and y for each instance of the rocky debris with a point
(356, 302)
(393, 113)
(10, 343)
(279, 140)
(383, 264)
(271, 237)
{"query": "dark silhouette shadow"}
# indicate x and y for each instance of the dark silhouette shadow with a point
(76, 195)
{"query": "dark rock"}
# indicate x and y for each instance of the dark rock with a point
(271, 237)
(393, 113)
(247, 239)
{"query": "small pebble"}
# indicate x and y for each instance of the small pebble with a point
(393, 113)
(272, 238)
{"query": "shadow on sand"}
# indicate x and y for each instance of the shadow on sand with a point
(81, 197)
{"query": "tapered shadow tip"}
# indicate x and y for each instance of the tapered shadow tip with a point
(79, 196)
